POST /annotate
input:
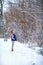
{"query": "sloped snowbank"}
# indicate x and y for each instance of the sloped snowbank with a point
(21, 55)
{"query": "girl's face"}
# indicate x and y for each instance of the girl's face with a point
(13, 31)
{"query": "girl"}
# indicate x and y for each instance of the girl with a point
(13, 38)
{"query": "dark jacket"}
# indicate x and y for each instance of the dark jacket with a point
(13, 37)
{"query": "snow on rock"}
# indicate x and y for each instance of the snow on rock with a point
(20, 56)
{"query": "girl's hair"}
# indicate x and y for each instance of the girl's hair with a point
(11, 31)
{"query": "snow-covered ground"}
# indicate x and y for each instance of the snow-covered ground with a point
(20, 56)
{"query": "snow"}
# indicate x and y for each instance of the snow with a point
(20, 56)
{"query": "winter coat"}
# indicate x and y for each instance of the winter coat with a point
(13, 37)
